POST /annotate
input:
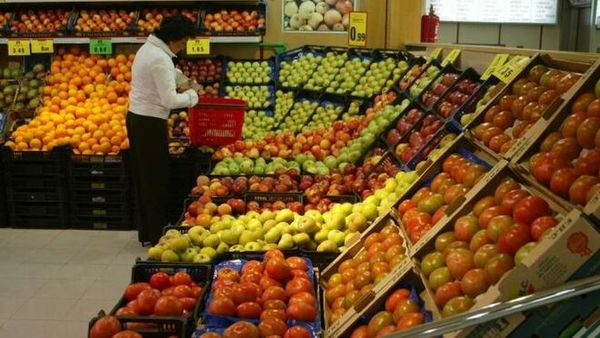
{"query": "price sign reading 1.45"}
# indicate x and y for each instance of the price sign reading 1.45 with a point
(198, 46)
(100, 46)
(19, 47)
(357, 29)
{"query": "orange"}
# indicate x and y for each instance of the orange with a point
(121, 58)
(112, 97)
(100, 78)
(35, 143)
(83, 146)
(114, 71)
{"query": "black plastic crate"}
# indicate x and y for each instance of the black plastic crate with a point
(99, 183)
(25, 183)
(99, 197)
(102, 223)
(20, 221)
(165, 328)
(270, 197)
(98, 165)
(36, 195)
(117, 210)
(51, 209)
(34, 163)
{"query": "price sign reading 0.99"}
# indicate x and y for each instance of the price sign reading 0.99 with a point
(357, 29)
(100, 46)
(19, 47)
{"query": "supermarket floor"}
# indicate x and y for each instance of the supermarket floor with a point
(52, 282)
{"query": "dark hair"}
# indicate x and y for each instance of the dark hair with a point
(175, 28)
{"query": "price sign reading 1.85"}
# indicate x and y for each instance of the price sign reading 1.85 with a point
(19, 48)
(100, 46)
(198, 46)
(357, 29)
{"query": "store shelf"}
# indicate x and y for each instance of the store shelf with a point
(142, 39)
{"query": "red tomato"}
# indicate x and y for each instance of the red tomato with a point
(249, 310)
(297, 332)
(188, 303)
(515, 237)
(394, 298)
(196, 291)
(360, 332)
(181, 278)
(272, 254)
(221, 306)
(561, 181)
(105, 327)
(245, 292)
(272, 326)
(132, 305)
(299, 274)
(181, 291)
(301, 311)
(297, 285)
(127, 334)
(251, 277)
(540, 225)
(274, 292)
(160, 281)
(241, 329)
(169, 306)
(446, 292)
(278, 269)
(228, 274)
(489, 213)
(253, 266)
(297, 263)
(408, 204)
(511, 198)
(125, 311)
(210, 335)
(274, 313)
(267, 281)
(409, 320)
(146, 301)
(303, 297)
(274, 304)
(530, 208)
(386, 330)
(133, 290)
(581, 186)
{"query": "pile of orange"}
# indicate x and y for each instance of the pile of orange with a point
(85, 100)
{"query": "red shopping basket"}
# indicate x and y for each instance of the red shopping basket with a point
(216, 121)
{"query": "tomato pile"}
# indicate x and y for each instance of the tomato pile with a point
(110, 327)
(515, 113)
(401, 312)
(162, 295)
(486, 243)
(244, 329)
(427, 206)
(356, 276)
(272, 292)
(569, 160)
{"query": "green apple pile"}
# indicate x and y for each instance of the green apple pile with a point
(257, 124)
(421, 83)
(296, 72)
(327, 71)
(324, 116)
(298, 116)
(397, 74)
(330, 231)
(240, 165)
(348, 76)
(256, 96)
(249, 72)
(376, 77)
(353, 110)
(283, 102)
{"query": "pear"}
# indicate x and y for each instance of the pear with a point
(211, 241)
(169, 255)
(273, 235)
(155, 252)
(210, 252)
(321, 235)
(285, 215)
(202, 259)
(301, 239)
(286, 242)
(356, 222)
(307, 225)
(327, 246)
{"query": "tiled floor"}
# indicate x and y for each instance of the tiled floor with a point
(52, 282)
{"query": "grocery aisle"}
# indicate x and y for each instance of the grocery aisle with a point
(54, 281)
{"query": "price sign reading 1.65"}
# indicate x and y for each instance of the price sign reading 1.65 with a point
(357, 29)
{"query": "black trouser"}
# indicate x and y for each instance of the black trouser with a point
(148, 140)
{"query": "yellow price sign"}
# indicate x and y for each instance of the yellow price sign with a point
(42, 46)
(498, 61)
(452, 56)
(357, 29)
(18, 47)
(198, 46)
(511, 69)
(436, 54)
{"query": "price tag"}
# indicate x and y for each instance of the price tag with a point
(18, 47)
(452, 56)
(357, 29)
(100, 46)
(498, 61)
(511, 69)
(42, 46)
(198, 46)
(436, 54)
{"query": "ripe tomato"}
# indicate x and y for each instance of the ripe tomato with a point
(241, 329)
(274, 292)
(105, 327)
(253, 266)
(299, 274)
(540, 225)
(297, 263)
(561, 181)
(273, 313)
(548, 163)
(169, 306)
(278, 269)
(221, 306)
(385, 331)
(125, 311)
(274, 304)
(160, 281)
(511, 198)
(132, 305)
(181, 291)
(409, 320)
(196, 291)
(395, 297)
(127, 334)
(514, 238)
(581, 186)
(245, 292)
(489, 213)
(249, 310)
(378, 322)
(181, 278)
(188, 303)
(272, 254)
(446, 292)
(297, 285)
(297, 332)
(272, 326)
(505, 186)
(410, 204)
(302, 311)
(210, 335)
(228, 274)
(360, 332)
(146, 301)
(251, 277)
(474, 283)
(267, 281)
(530, 208)
(405, 306)
(133, 290)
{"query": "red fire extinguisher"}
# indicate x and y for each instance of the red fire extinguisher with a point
(430, 25)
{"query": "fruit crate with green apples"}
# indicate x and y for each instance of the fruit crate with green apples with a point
(417, 66)
(250, 71)
(328, 70)
(143, 271)
(330, 109)
(354, 68)
(297, 66)
(305, 105)
(24, 12)
(119, 20)
(249, 19)
(256, 96)
(148, 326)
(383, 72)
(502, 233)
(540, 86)
(431, 72)
(560, 157)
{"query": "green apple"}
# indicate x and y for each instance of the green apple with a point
(212, 241)
(169, 255)
(202, 259)
(155, 252)
(209, 251)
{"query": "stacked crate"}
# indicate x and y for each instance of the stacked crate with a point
(100, 192)
(35, 188)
